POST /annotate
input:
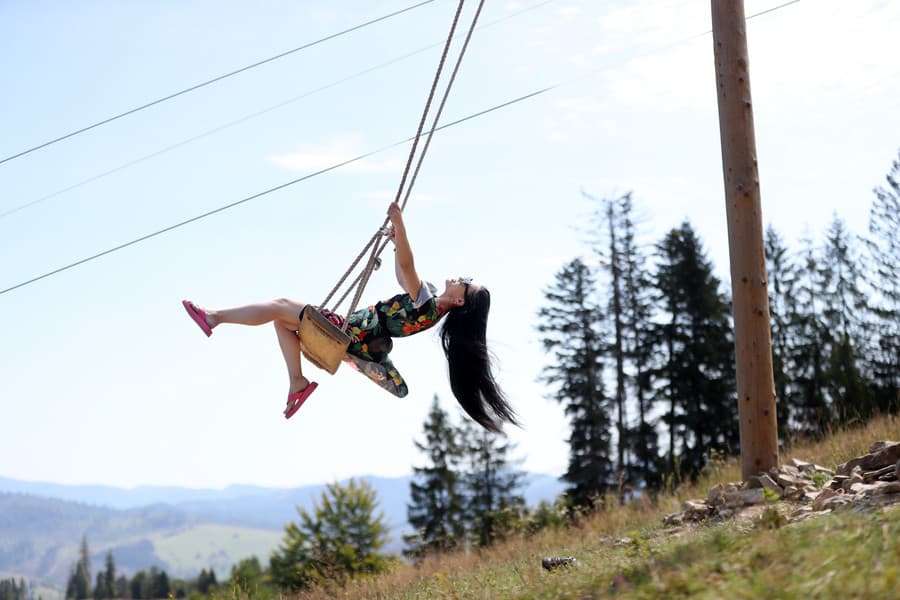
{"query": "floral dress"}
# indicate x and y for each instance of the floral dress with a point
(372, 328)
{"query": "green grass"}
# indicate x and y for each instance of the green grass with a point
(625, 552)
(215, 546)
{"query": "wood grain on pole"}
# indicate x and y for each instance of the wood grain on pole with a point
(752, 333)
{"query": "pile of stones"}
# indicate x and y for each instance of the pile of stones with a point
(869, 480)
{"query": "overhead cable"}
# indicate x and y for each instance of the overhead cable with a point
(251, 116)
(320, 172)
(211, 81)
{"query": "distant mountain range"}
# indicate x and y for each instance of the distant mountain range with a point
(177, 529)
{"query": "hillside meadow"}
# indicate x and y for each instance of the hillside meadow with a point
(213, 546)
(626, 552)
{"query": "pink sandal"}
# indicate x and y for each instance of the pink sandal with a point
(198, 315)
(296, 400)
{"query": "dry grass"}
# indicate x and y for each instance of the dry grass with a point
(611, 543)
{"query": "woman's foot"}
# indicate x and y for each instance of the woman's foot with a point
(297, 398)
(199, 316)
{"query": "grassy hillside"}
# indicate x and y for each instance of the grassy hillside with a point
(216, 546)
(626, 552)
(39, 537)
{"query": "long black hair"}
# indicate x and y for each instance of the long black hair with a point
(464, 339)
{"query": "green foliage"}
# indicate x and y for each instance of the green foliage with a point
(79, 583)
(493, 507)
(206, 581)
(695, 379)
(105, 587)
(437, 510)
(12, 590)
(771, 517)
(249, 579)
(571, 324)
(883, 252)
(820, 479)
(545, 516)
(782, 277)
(338, 541)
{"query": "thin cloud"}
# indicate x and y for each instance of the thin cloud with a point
(313, 158)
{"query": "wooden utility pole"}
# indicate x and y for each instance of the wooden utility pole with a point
(749, 284)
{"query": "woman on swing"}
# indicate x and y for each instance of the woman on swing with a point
(463, 305)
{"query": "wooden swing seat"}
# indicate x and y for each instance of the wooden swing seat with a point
(322, 343)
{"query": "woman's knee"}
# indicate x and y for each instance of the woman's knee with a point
(288, 310)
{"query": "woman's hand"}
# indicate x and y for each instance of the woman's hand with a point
(395, 215)
(403, 260)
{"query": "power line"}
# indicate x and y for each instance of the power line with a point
(254, 115)
(321, 172)
(268, 191)
(211, 81)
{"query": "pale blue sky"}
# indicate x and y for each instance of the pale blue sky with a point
(103, 379)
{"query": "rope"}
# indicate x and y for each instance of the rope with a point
(363, 279)
(434, 83)
(433, 128)
(443, 103)
(347, 272)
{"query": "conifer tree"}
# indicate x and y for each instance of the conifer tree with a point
(883, 246)
(629, 306)
(12, 590)
(159, 583)
(698, 373)
(608, 248)
(100, 587)
(493, 502)
(109, 577)
(638, 306)
(571, 324)
(79, 583)
(340, 539)
(437, 510)
(781, 275)
(121, 588)
(845, 306)
(811, 341)
(140, 584)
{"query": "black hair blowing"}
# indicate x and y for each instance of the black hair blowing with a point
(464, 339)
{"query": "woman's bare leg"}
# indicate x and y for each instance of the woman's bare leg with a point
(285, 314)
(258, 314)
(290, 349)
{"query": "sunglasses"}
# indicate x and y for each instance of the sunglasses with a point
(464, 280)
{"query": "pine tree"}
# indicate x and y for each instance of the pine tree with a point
(100, 587)
(79, 583)
(108, 580)
(845, 303)
(159, 583)
(492, 484)
(609, 249)
(12, 590)
(340, 539)
(571, 324)
(639, 306)
(203, 582)
(812, 339)
(883, 246)
(437, 511)
(781, 276)
(140, 584)
(121, 588)
(699, 364)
